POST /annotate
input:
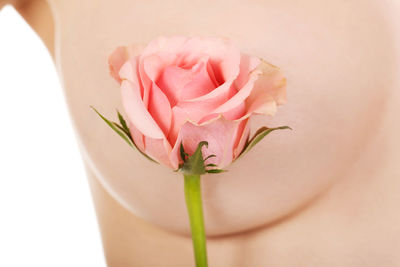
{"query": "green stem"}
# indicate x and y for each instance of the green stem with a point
(195, 210)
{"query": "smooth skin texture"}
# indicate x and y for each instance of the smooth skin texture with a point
(325, 194)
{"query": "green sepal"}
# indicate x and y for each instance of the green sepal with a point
(118, 129)
(123, 131)
(215, 171)
(210, 156)
(194, 165)
(258, 136)
(182, 152)
(123, 123)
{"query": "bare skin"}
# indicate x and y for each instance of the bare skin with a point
(325, 194)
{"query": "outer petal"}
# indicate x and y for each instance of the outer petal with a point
(247, 65)
(236, 112)
(221, 137)
(137, 112)
(269, 91)
(159, 150)
(198, 110)
(145, 81)
(137, 136)
(129, 71)
(241, 137)
(119, 56)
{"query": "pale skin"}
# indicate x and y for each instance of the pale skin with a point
(325, 194)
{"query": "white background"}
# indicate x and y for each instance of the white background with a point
(47, 216)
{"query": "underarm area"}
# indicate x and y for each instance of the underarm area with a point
(38, 15)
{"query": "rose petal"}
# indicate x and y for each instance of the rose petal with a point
(137, 112)
(233, 114)
(119, 56)
(155, 64)
(179, 117)
(159, 150)
(241, 137)
(220, 135)
(269, 90)
(242, 94)
(221, 90)
(160, 109)
(236, 112)
(222, 52)
(224, 57)
(181, 84)
(198, 110)
(137, 136)
(247, 65)
(200, 83)
(129, 71)
(145, 81)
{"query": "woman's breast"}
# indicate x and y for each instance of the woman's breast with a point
(338, 60)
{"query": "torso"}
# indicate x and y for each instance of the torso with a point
(303, 203)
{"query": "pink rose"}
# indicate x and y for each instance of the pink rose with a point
(188, 90)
